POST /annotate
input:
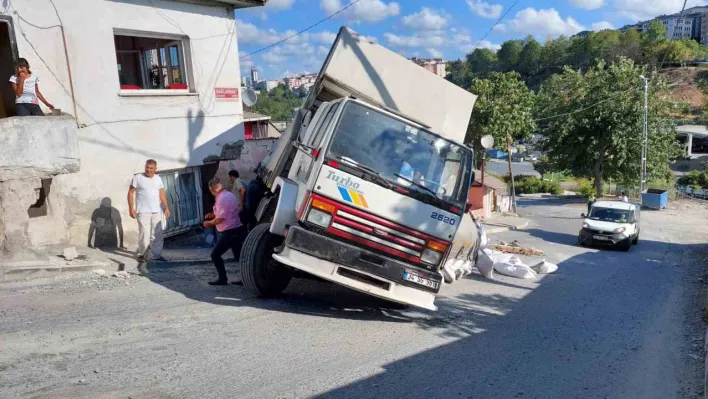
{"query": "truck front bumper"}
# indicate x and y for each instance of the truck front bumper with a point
(356, 268)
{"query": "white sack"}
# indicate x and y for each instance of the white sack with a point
(515, 268)
(544, 267)
(485, 264)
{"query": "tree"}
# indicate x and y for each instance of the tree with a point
(530, 58)
(509, 55)
(459, 74)
(599, 132)
(504, 106)
(481, 62)
(543, 165)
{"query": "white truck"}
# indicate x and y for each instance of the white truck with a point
(368, 185)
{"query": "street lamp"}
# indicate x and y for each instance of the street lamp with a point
(643, 183)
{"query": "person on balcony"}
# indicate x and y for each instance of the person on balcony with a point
(25, 85)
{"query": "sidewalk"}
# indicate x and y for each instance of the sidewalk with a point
(502, 223)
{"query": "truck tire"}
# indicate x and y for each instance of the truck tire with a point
(260, 273)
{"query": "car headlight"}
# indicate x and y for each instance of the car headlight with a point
(620, 230)
(585, 225)
(431, 257)
(319, 218)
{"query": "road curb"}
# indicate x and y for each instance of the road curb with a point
(495, 230)
(18, 271)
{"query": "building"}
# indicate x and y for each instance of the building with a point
(295, 82)
(139, 79)
(254, 76)
(434, 65)
(688, 26)
(488, 194)
(267, 85)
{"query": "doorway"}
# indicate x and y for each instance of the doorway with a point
(8, 56)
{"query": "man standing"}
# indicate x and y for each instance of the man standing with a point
(254, 194)
(624, 197)
(231, 232)
(591, 200)
(238, 188)
(148, 193)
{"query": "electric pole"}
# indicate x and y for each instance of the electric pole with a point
(643, 184)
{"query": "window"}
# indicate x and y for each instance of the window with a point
(151, 62)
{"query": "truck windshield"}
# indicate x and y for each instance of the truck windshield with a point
(403, 154)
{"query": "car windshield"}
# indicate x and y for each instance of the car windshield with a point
(610, 215)
(403, 154)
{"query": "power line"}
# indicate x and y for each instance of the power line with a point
(302, 31)
(495, 24)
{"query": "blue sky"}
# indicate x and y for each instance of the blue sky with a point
(424, 28)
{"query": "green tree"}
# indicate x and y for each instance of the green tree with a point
(279, 103)
(509, 55)
(481, 62)
(459, 74)
(599, 132)
(543, 165)
(530, 58)
(504, 106)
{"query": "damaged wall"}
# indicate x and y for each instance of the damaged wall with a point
(34, 151)
(244, 157)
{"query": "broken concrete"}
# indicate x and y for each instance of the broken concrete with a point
(34, 150)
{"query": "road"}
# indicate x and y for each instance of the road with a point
(608, 324)
(501, 168)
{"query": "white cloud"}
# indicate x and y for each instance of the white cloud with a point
(272, 57)
(246, 62)
(416, 40)
(602, 25)
(425, 19)
(279, 5)
(641, 10)
(435, 53)
(364, 10)
(322, 50)
(588, 4)
(251, 34)
(325, 37)
(485, 10)
(541, 23)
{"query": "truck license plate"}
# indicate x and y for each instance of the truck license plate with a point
(420, 280)
(601, 238)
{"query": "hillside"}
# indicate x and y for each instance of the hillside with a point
(684, 84)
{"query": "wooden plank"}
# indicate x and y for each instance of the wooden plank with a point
(517, 250)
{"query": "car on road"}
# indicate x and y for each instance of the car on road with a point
(611, 223)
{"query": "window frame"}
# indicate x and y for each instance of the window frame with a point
(184, 55)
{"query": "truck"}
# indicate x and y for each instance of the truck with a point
(368, 185)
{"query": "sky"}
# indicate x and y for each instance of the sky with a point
(424, 28)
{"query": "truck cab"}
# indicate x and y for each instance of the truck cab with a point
(361, 194)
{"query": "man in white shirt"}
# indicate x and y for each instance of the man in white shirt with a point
(623, 197)
(238, 188)
(148, 192)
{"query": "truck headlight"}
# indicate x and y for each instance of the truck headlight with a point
(431, 257)
(319, 218)
(619, 230)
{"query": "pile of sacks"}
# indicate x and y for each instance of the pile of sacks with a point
(490, 260)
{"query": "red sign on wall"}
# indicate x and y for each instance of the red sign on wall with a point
(226, 93)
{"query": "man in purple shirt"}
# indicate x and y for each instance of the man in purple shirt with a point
(231, 232)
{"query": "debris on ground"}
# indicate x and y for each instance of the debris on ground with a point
(519, 250)
(490, 260)
(121, 274)
(70, 253)
(544, 267)
(99, 272)
(514, 267)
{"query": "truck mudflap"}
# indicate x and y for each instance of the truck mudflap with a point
(359, 269)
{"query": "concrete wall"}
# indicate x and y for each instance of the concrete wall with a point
(251, 153)
(34, 148)
(119, 131)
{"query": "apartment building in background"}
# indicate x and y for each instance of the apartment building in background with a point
(434, 65)
(139, 79)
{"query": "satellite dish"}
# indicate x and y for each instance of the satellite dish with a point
(250, 97)
(487, 141)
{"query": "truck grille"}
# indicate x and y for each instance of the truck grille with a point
(378, 233)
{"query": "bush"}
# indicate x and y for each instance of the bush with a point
(585, 187)
(695, 179)
(533, 185)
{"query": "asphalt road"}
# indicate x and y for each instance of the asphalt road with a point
(501, 168)
(608, 324)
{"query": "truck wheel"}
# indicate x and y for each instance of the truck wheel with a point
(259, 271)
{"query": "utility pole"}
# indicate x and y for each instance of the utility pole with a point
(643, 184)
(511, 174)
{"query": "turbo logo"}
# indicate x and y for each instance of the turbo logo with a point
(348, 189)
